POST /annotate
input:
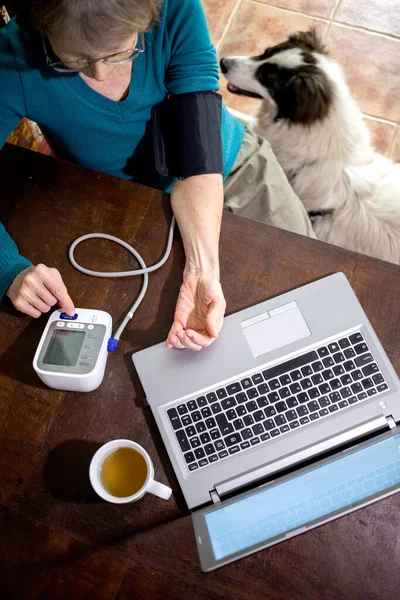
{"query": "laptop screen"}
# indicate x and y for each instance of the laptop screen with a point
(310, 496)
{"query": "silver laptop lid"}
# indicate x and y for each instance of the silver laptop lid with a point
(315, 313)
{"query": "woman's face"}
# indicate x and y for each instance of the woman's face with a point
(97, 70)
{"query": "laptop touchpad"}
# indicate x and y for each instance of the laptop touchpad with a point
(274, 329)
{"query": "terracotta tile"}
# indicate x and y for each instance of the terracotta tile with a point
(371, 64)
(218, 13)
(253, 28)
(374, 14)
(317, 8)
(395, 152)
(382, 134)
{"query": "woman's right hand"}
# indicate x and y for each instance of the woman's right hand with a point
(36, 289)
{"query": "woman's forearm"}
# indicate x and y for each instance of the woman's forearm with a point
(197, 203)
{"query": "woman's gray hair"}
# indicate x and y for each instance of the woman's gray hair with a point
(94, 24)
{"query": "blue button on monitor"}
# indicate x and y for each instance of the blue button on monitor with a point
(68, 318)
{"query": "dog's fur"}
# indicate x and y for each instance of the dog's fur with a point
(319, 137)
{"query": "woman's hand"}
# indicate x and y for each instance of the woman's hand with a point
(199, 313)
(36, 289)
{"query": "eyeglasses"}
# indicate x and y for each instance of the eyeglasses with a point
(76, 66)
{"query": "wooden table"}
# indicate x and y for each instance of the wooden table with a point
(57, 538)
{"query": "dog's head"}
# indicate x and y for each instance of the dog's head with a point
(290, 76)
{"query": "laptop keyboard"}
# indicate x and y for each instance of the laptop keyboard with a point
(275, 401)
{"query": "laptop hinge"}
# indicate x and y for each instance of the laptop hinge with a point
(245, 479)
(214, 497)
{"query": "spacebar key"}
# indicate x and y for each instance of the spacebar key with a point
(182, 439)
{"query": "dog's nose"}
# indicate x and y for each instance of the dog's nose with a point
(224, 64)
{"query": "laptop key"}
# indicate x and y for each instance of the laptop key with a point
(182, 439)
(263, 388)
(211, 397)
(323, 351)
(349, 365)
(338, 357)
(356, 337)
(228, 403)
(280, 420)
(259, 416)
(205, 438)
(346, 392)
(325, 388)
(343, 404)
(362, 396)
(317, 366)
(296, 375)
(274, 433)
(258, 429)
(313, 406)
(285, 379)
(192, 405)
(230, 440)
(241, 397)
(352, 400)
(317, 379)
(223, 454)
(257, 378)
(190, 431)
(202, 401)
(234, 449)
(304, 420)
(189, 457)
(291, 415)
(255, 441)
(246, 433)
(194, 442)
(372, 392)
(262, 401)
(333, 408)
(328, 362)
(367, 383)
(364, 359)
(199, 452)
(238, 424)
(357, 375)
(210, 423)
(281, 406)
(295, 388)
(269, 424)
(274, 384)
(264, 437)
(324, 401)
(246, 383)
(303, 397)
(231, 414)
(382, 387)
(219, 445)
(223, 424)
(222, 393)
(213, 458)
(370, 369)
(251, 406)
(334, 347)
(335, 397)
(269, 411)
(186, 420)
(233, 388)
(182, 409)
(291, 402)
(248, 420)
(356, 387)
(328, 374)
(378, 378)
(252, 393)
(314, 393)
(302, 411)
(245, 445)
(361, 348)
(346, 379)
(216, 408)
(241, 410)
(173, 417)
(324, 412)
(344, 343)
(203, 462)
(338, 370)
(196, 416)
(349, 353)
(294, 424)
(193, 466)
(307, 370)
(209, 449)
(335, 384)
(314, 416)
(273, 397)
(206, 412)
(284, 392)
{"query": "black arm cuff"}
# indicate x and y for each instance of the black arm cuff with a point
(187, 134)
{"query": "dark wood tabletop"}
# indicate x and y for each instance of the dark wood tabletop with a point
(57, 538)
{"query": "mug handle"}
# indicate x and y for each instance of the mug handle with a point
(159, 489)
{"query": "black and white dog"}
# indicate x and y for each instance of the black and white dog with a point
(319, 137)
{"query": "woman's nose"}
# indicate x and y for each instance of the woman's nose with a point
(98, 71)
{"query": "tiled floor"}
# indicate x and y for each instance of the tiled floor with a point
(363, 35)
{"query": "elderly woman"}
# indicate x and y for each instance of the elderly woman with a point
(90, 72)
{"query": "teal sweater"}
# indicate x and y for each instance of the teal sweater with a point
(87, 128)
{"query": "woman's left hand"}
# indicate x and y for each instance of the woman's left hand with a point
(199, 313)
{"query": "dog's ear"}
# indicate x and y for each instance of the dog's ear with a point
(308, 40)
(307, 96)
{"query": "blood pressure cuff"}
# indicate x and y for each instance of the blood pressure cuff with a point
(187, 134)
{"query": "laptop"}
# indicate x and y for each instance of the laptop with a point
(290, 419)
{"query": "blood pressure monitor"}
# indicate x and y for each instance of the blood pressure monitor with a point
(72, 352)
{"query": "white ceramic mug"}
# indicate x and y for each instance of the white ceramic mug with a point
(154, 487)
